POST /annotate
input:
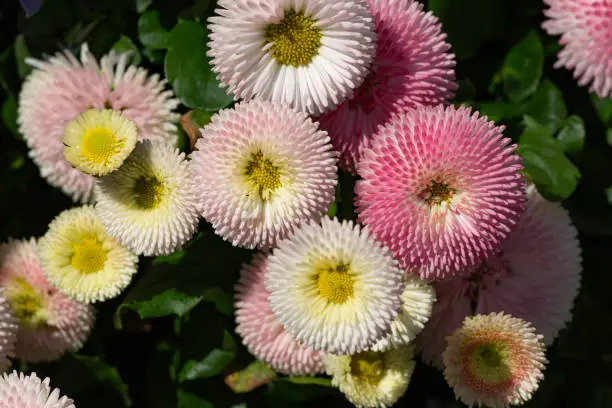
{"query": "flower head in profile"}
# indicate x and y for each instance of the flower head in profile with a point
(98, 141)
(441, 188)
(80, 259)
(535, 276)
(61, 87)
(18, 390)
(8, 332)
(370, 379)
(50, 324)
(149, 204)
(494, 360)
(333, 287)
(412, 67)
(308, 54)
(261, 333)
(260, 170)
(585, 29)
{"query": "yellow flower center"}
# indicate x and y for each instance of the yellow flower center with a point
(368, 367)
(336, 284)
(264, 174)
(99, 144)
(149, 192)
(488, 363)
(437, 192)
(295, 40)
(88, 256)
(27, 305)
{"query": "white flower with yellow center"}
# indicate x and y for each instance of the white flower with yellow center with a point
(149, 204)
(333, 287)
(81, 260)
(98, 141)
(309, 54)
(372, 379)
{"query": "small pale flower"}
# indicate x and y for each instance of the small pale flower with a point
(18, 390)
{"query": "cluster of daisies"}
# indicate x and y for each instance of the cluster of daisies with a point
(454, 255)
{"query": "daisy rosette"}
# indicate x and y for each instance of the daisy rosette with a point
(263, 335)
(50, 324)
(309, 54)
(333, 287)
(413, 67)
(8, 332)
(260, 171)
(441, 188)
(73, 86)
(28, 391)
(98, 141)
(418, 299)
(149, 204)
(370, 379)
(81, 260)
(585, 29)
(494, 360)
(535, 276)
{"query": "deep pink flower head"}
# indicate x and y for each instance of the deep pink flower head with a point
(441, 188)
(412, 67)
(50, 323)
(585, 27)
(62, 87)
(263, 335)
(535, 277)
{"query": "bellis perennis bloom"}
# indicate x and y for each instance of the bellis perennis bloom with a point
(20, 391)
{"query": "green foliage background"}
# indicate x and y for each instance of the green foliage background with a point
(168, 341)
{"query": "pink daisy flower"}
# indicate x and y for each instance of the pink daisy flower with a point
(61, 87)
(441, 188)
(535, 276)
(260, 170)
(412, 67)
(585, 27)
(20, 391)
(494, 360)
(8, 332)
(263, 335)
(50, 323)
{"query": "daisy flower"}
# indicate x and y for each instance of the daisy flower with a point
(309, 54)
(333, 287)
(50, 324)
(412, 67)
(19, 390)
(261, 333)
(585, 29)
(535, 276)
(98, 141)
(261, 170)
(61, 87)
(372, 380)
(81, 260)
(149, 204)
(441, 188)
(494, 360)
(8, 332)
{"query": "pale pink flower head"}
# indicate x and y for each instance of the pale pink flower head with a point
(441, 188)
(585, 27)
(18, 390)
(50, 323)
(261, 333)
(61, 87)
(494, 360)
(261, 170)
(8, 332)
(412, 67)
(535, 276)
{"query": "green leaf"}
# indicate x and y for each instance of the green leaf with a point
(9, 116)
(188, 69)
(151, 33)
(254, 375)
(174, 258)
(21, 53)
(572, 134)
(499, 110)
(522, 68)
(102, 373)
(189, 400)
(125, 44)
(547, 106)
(603, 106)
(142, 5)
(213, 364)
(554, 175)
(324, 382)
(201, 118)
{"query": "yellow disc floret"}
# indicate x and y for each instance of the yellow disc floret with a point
(368, 367)
(26, 303)
(89, 255)
(487, 362)
(295, 40)
(263, 174)
(336, 284)
(149, 192)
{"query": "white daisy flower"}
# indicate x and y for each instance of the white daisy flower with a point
(20, 391)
